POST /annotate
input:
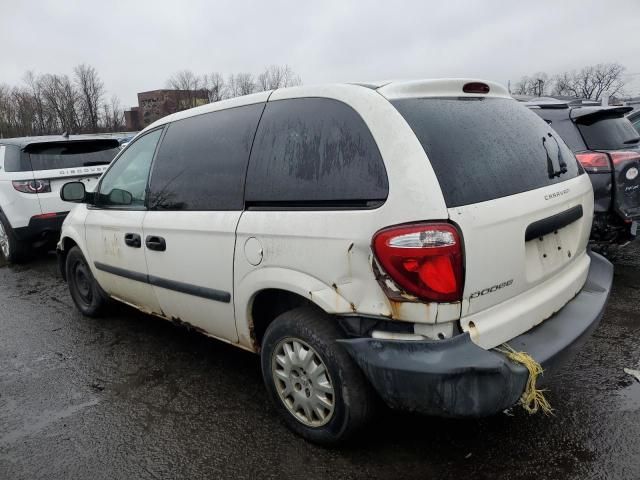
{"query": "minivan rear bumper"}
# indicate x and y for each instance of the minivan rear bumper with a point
(457, 378)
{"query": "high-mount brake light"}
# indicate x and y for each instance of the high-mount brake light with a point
(424, 259)
(476, 87)
(594, 162)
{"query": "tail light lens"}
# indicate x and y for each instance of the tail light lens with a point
(32, 186)
(618, 157)
(475, 87)
(423, 259)
(594, 162)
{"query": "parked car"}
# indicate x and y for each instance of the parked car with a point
(634, 118)
(377, 239)
(607, 146)
(32, 170)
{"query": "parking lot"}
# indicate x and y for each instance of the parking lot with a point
(131, 396)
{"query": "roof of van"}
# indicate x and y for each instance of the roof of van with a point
(390, 89)
(22, 142)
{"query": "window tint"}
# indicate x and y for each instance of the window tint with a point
(608, 133)
(314, 152)
(13, 160)
(202, 161)
(486, 148)
(125, 183)
(564, 126)
(636, 123)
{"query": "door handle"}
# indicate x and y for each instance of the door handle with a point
(155, 243)
(133, 240)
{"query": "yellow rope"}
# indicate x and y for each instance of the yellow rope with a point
(532, 398)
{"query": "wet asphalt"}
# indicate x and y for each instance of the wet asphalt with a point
(134, 397)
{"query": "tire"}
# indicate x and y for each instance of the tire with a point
(344, 411)
(89, 298)
(11, 248)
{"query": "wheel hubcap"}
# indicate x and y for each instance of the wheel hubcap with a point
(82, 282)
(4, 241)
(303, 382)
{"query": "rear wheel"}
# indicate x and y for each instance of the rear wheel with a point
(318, 389)
(90, 299)
(12, 249)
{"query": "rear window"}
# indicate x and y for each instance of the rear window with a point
(58, 155)
(486, 148)
(561, 123)
(608, 133)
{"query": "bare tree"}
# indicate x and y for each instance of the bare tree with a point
(215, 86)
(536, 85)
(240, 84)
(90, 93)
(113, 115)
(62, 99)
(189, 85)
(591, 82)
(278, 76)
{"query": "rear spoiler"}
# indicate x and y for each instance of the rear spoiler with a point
(589, 115)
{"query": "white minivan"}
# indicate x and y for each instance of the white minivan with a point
(32, 171)
(371, 240)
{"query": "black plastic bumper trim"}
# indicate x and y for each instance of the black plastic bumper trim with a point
(40, 226)
(189, 289)
(457, 378)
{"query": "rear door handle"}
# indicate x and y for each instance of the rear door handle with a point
(155, 243)
(133, 240)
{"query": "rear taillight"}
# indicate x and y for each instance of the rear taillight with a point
(32, 186)
(618, 157)
(594, 162)
(423, 259)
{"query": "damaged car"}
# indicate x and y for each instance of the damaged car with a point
(608, 147)
(392, 240)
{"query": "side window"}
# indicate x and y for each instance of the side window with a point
(202, 161)
(125, 183)
(314, 152)
(15, 160)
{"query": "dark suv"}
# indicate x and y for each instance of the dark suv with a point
(608, 147)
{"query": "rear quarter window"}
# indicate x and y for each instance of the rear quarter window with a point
(486, 148)
(314, 152)
(13, 159)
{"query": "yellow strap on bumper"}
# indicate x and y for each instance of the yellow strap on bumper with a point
(532, 398)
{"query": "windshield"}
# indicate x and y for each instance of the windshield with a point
(58, 155)
(487, 148)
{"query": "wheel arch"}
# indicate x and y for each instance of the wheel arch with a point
(266, 293)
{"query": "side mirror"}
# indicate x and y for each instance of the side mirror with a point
(73, 192)
(120, 197)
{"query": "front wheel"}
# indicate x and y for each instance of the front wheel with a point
(316, 386)
(90, 299)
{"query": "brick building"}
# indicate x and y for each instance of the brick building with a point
(156, 104)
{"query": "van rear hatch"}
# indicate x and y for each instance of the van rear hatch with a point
(521, 202)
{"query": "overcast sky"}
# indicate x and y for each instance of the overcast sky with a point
(136, 45)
